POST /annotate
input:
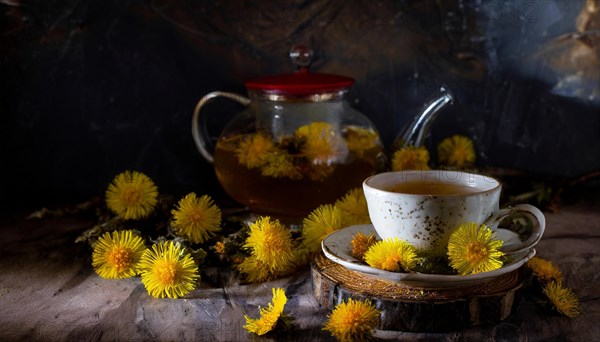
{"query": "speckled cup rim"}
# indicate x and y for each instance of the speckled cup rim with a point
(423, 173)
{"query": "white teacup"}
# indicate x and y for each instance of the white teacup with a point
(425, 207)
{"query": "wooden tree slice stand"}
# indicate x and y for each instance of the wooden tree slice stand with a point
(409, 308)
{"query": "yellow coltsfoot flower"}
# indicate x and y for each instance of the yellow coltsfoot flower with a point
(392, 255)
(220, 248)
(132, 195)
(457, 151)
(361, 139)
(269, 315)
(197, 219)
(116, 255)
(322, 144)
(168, 270)
(474, 249)
(361, 244)
(564, 299)
(354, 206)
(318, 224)
(271, 248)
(410, 158)
(544, 270)
(353, 321)
(255, 270)
(280, 164)
(254, 149)
(269, 240)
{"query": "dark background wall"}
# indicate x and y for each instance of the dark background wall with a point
(91, 88)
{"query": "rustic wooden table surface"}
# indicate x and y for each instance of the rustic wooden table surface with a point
(48, 291)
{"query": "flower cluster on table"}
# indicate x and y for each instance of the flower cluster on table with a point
(190, 235)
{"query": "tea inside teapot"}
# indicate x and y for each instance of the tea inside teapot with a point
(292, 174)
(298, 144)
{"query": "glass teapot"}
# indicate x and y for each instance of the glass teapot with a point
(297, 145)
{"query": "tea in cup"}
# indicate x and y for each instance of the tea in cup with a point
(423, 208)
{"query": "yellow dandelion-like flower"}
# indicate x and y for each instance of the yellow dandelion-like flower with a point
(457, 151)
(392, 255)
(564, 299)
(361, 244)
(361, 139)
(321, 143)
(304, 255)
(474, 249)
(279, 164)
(253, 150)
(168, 270)
(197, 219)
(318, 224)
(270, 242)
(354, 206)
(269, 315)
(255, 270)
(132, 195)
(220, 247)
(116, 255)
(353, 320)
(544, 270)
(271, 251)
(319, 151)
(410, 158)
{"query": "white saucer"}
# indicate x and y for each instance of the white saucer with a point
(337, 247)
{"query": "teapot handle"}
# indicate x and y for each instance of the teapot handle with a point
(201, 142)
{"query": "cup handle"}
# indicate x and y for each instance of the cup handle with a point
(536, 234)
(199, 139)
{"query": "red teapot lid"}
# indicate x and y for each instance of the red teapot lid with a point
(301, 82)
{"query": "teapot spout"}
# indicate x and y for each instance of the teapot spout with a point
(415, 132)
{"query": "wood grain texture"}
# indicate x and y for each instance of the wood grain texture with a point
(409, 308)
(49, 292)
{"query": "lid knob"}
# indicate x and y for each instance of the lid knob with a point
(301, 82)
(301, 56)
